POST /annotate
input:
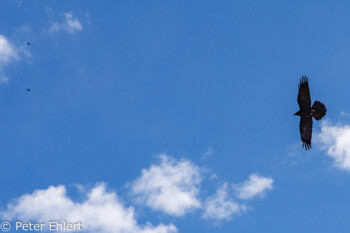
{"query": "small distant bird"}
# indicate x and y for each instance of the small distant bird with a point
(28, 43)
(306, 112)
(28, 89)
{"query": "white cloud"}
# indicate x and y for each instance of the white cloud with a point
(69, 24)
(171, 186)
(221, 206)
(336, 140)
(255, 186)
(8, 54)
(101, 211)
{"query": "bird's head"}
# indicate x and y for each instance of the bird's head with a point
(297, 113)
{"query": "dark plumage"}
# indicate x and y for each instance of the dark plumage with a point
(28, 89)
(28, 43)
(306, 112)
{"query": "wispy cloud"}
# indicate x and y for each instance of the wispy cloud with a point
(255, 186)
(4, 79)
(209, 151)
(101, 211)
(221, 206)
(344, 114)
(171, 186)
(335, 139)
(16, 2)
(69, 24)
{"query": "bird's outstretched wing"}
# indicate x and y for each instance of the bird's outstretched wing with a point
(305, 127)
(304, 99)
(319, 109)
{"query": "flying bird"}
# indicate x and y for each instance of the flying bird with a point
(28, 89)
(28, 43)
(306, 112)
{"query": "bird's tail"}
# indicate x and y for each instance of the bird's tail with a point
(319, 110)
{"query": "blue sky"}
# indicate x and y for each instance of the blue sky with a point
(177, 115)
